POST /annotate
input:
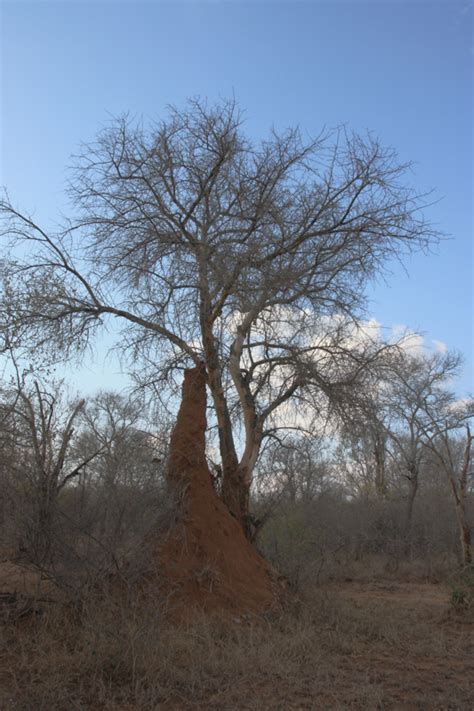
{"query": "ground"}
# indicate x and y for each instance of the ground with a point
(423, 660)
(397, 646)
(356, 644)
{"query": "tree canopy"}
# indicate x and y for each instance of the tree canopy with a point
(206, 246)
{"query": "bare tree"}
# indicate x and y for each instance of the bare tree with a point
(363, 447)
(39, 430)
(299, 470)
(455, 458)
(417, 382)
(129, 461)
(206, 247)
(460, 486)
(425, 418)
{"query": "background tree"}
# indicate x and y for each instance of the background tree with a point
(38, 426)
(455, 458)
(415, 381)
(207, 247)
(128, 468)
(426, 417)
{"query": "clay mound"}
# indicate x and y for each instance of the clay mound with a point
(206, 560)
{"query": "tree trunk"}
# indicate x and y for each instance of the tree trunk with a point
(42, 535)
(231, 479)
(379, 455)
(233, 493)
(236, 496)
(236, 476)
(464, 534)
(466, 544)
(464, 528)
(413, 482)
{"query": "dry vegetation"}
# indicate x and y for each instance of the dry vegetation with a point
(370, 643)
(372, 618)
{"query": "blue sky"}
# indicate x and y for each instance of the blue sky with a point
(400, 69)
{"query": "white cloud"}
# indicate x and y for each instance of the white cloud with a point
(412, 343)
(440, 346)
(462, 406)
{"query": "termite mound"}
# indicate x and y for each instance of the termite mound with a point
(205, 560)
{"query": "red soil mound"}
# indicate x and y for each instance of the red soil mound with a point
(206, 560)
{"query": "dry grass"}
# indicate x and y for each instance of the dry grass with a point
(359, 645)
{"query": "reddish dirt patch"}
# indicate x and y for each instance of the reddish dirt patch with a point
(206, 561)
